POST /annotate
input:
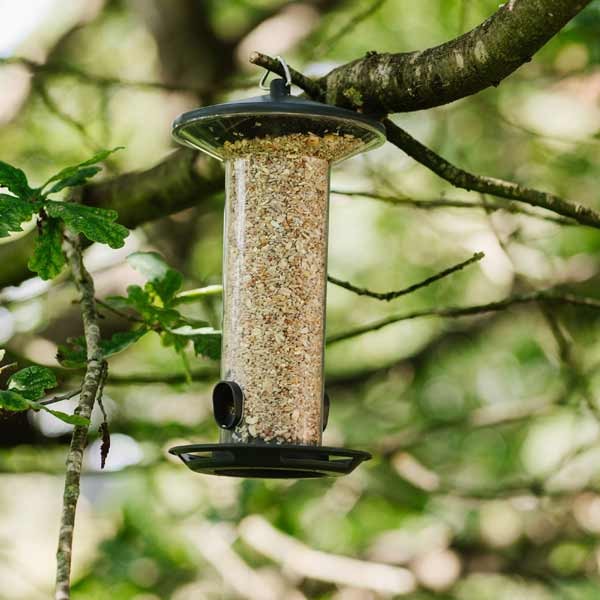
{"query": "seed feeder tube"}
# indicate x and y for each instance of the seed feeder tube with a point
(270, 404)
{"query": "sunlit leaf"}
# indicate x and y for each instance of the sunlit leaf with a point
(14, 212)
(32, 382)
(15, 180)
(164, 281)
(96, 224)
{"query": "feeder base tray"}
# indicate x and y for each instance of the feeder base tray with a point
(283, 461)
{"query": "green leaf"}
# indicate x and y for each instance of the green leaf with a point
(142, 301)
(15, 180)
(14, 212)
(10, 400)
(67, 418)
(77, 178)
(73, 354)
(77, 174)
(32, 382)
(97, 224)
(48, 258)
(164, 281)
(207, 341)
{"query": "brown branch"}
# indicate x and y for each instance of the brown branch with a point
(325, 47)
(483, 57)
(451, 203)
(61, 68)
(446, 170)
(543, 296)
(487, 185)
(387, 296)
(89, 389)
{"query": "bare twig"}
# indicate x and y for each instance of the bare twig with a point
(56, 68)
(487, 185)
(57, 111)
(310, 86)
(326, 46)
(173, 379)
(190, 296)
(89, 389)
(118, 312)
(61, 397)
(543, 296)
(451, 203)
(387, 296)
(576, 380)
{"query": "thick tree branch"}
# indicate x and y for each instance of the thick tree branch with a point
(89, 389)
(446, 170)
(388, 83)
(545, 297)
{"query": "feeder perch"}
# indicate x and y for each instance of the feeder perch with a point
(270, 405)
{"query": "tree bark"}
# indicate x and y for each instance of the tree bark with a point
(483, 57)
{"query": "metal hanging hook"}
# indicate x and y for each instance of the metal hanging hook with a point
(288, 76)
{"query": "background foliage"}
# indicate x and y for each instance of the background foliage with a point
(485, 477)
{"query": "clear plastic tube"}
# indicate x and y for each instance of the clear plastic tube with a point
(275, 260)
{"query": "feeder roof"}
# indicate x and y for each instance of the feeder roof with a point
(273, 115)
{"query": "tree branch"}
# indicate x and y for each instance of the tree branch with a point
(487, 185)
(61, 68)
(446, 170)
(387, 296)
(451, 203)
(388, 83)
(181, 181)
(89, 389)
(542, 296)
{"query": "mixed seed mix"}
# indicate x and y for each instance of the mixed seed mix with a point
(275, 279)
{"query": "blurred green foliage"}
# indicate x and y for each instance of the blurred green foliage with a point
(485, 450)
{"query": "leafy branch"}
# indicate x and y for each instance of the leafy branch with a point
(152, 309)
(91, 389)
(24, 202)
(27, 387)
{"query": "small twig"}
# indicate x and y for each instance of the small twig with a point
(61, 397)
(55, 109)
(326, 46)
(118, 312)
(450, 203)
(487, 185)
(197, 294)
(571, 368)
(89, 389)
(311, 87)
(387, 296)
(56, 68)
(150, 378)
(543, 296)
(104, 432)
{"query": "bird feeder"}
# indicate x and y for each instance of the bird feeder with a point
(270, 404)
